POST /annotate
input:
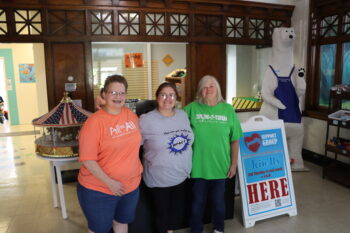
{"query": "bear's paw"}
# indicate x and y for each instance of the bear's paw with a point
(301, 72)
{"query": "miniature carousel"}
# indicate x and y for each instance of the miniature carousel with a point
(60, 132)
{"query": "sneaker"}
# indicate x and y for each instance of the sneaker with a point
(215, 231)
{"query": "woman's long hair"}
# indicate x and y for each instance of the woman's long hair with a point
(201, 84)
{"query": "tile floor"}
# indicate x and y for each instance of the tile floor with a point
(26, 200)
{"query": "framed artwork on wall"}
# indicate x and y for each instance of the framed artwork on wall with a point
(26, 73)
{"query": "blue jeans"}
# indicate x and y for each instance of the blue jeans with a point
(201, 189)
(100, 209)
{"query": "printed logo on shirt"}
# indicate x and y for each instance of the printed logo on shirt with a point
(179, 143)
(211, 118)
(122, 129)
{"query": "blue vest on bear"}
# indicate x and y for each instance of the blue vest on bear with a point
(286, 93)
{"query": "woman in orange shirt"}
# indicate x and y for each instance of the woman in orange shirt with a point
(109, 145)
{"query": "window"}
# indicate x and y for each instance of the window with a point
(28, 22)
(129, 23)
(155, 24)
(101, 22)
(329, 60)
(329, 26)
(256, 28)
(234, 27)
(313, 28)
(327, 70)
(3, 25)
(346, 63)
(179, 25)
(346, 70)
(346, 23)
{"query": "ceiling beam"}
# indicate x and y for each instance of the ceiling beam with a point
(115, 2)
(168, 3)
(142, 3)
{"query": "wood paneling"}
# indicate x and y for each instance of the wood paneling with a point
(89, 79)
(67, 59)
(71, 20)
(67, 32)
(66, 22)
(205, 59)
(204, 5)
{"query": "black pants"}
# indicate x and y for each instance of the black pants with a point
(166, 203)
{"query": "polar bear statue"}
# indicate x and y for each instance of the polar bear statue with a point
(281, 90)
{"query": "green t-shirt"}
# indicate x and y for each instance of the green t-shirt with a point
(214, 127)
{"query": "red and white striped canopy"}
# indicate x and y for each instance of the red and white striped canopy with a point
(65, 114)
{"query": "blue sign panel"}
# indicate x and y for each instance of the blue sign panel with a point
(265, 171)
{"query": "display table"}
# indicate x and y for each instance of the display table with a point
(57, 163)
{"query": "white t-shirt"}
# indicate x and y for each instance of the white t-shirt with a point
(167, 145)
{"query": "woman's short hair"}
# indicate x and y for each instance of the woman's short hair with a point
(114, 79)
(201, 84)
(167, 84)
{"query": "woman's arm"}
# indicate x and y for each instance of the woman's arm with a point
(115, 186)
(234, 159)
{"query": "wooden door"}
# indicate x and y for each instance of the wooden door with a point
(67, 59)
(205, 59)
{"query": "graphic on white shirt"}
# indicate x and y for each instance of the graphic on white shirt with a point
(211, 118)
(122, 129)
(179, 143)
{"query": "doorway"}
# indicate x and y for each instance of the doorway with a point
(3, 91)
(23, 82)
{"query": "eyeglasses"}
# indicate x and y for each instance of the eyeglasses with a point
(116, 93)
(209, 87)
(165, 96)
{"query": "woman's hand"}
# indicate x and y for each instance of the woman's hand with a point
(234, 159)
(232, 171)
(116, 187)
(99, 102)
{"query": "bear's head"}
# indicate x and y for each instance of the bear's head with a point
(283, 38)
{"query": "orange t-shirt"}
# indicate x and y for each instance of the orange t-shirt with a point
(114, 142)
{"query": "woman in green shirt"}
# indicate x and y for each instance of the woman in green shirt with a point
(215, 151)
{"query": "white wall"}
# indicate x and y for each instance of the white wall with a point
(244, 70)
(231, 78)
(29, 95)
(40, 75)
(177, 52)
